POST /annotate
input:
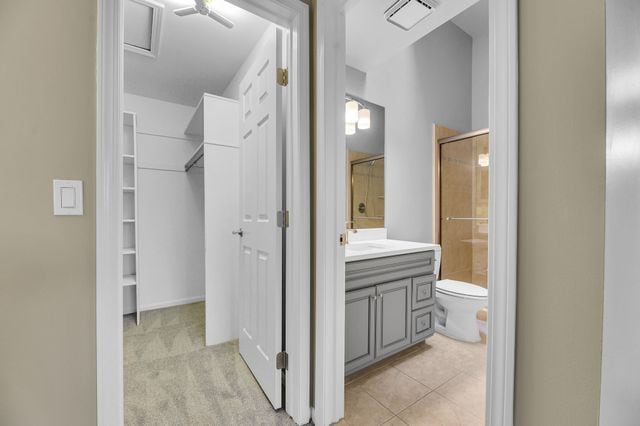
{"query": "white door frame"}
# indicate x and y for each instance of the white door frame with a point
(330, 152)
(294, 16)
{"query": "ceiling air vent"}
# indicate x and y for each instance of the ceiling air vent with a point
(407, 13)
(142, 20)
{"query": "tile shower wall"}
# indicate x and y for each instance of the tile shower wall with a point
(367, 192)
(464, 195)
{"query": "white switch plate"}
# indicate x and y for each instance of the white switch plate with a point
(67, 198)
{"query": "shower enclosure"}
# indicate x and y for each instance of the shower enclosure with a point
(367, 191)
(464, 206)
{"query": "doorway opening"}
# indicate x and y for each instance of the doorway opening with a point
(203, 178)
(420, 323)
(210, 115)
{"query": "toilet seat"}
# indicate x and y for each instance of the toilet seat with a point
(461, 289)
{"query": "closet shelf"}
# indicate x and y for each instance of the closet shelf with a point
(195, 157)
(128, 158)
(129, 250)
(128, 280)
(128, 189)
(128, 221)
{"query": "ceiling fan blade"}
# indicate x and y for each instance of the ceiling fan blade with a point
(221, 19)
(184, 11)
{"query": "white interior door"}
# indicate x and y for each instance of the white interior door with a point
(261, 144)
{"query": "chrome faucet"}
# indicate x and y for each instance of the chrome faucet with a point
(349, 225)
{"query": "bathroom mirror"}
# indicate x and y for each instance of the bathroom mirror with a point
(365, 135)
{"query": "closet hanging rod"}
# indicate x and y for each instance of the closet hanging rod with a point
(195, 157)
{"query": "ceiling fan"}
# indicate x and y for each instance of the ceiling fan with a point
(203, 7)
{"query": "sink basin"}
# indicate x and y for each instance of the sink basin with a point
(360, 247)
(360, 250)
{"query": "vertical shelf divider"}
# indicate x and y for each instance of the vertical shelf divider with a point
(130, 216)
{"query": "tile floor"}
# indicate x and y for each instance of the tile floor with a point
(440, 382)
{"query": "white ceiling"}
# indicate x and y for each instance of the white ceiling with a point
(475, 20)
(372, 40)
(196, 54)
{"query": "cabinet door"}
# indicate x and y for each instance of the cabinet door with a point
(393, 319)
(359, 328)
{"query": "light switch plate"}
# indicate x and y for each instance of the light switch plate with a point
(67, 198)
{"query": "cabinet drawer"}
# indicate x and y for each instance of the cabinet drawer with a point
(364, 273)
(422, 324)
(423, 291)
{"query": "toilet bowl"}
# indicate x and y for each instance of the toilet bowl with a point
(457, 304)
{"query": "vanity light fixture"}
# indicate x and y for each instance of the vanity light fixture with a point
(350, 129)
(364, 119)
(356, 114)
(351, 112)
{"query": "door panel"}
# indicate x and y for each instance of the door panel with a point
(393, 329)
(261, 257)
(359, 328)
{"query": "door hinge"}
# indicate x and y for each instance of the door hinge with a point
(282, 361)
(283, 218)
(343, 239)
(283, 76)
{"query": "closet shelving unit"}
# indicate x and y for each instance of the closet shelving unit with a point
(130, 248)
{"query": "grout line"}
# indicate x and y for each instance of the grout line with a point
(447, 381)
(460, 407)
(413, 403)
(420, 399)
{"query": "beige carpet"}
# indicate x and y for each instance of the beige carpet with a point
(171, 378)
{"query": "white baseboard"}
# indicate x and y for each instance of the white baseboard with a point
(171, 303)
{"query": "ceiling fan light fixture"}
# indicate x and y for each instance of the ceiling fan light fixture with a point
(203, 7)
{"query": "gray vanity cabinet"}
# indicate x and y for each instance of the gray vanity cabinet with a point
(388, 306)
(393, 325)
(360, 333)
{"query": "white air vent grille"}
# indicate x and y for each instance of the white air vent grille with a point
(406, 14)
(142, 21)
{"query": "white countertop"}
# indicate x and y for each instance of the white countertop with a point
(372, 249)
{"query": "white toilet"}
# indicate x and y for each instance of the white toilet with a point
(457, 304)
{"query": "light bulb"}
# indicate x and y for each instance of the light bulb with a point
(351, 112)
(350, 129)
(364, 119)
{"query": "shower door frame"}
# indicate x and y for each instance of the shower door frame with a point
(437, 236)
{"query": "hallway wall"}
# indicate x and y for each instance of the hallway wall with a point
(48, 263)
(561, 212)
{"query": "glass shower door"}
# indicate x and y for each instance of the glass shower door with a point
(464, 209)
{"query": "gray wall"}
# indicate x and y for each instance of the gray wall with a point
(427, 83)
(47, 263)
(561, 212)
(480, 83)
(621, 340)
